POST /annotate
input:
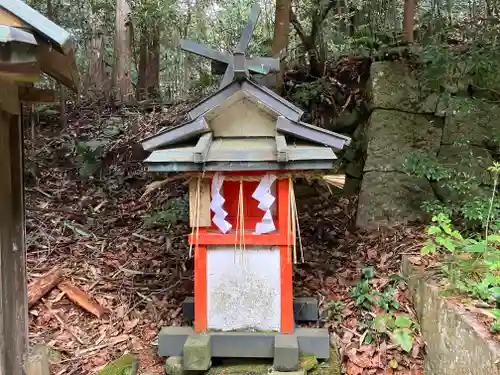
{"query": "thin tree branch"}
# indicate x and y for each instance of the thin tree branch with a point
(297, 26)
(320, 17)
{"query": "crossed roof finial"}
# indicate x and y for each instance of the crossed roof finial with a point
(238, 65)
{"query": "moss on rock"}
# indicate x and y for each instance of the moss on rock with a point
(387, 198)
(120, 366)
(308, 361)
(331, 367)
(240, 367)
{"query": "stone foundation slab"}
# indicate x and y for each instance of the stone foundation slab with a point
(313, 341)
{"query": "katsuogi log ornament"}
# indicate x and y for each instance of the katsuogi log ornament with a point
(241, 149)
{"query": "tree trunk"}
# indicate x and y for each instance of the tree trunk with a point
(153, 75)
(316, 64)
(95, 82)
(408, 20)
(62, 97)
(281, 33)
(186, 58)
(141, 90)
(148, 80)
(122, 82)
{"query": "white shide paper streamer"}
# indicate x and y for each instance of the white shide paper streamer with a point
(217, 203)
(266, 200)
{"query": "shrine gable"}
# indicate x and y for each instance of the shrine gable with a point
(239, 116)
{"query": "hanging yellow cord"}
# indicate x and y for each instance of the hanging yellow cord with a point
(198, 193)
(297, 224)
(196, 227)
(293, 222)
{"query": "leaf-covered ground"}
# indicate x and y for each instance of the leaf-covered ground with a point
(95, 228)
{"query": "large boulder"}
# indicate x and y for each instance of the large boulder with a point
(389, 198)
(392, 135)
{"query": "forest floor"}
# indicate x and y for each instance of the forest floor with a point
(96, 230)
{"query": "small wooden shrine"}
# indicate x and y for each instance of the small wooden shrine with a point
(241, 148)
(29, 45)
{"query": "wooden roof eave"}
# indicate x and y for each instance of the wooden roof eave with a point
(240, 166)
(176, 134)
(207, 152)
(55, 51)
(59, 66)
(284, 124)
(272, 99)
(18, 60)
(9, 34)
(213, 100)
(41, 24)
(312, 133)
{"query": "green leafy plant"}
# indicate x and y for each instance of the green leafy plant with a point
(175, 211)
(400, 328)
(366, 325)
(470, 263)
(88, 155)
(495, 325)
(308, 93)
(334, 310)
(466, 198)
(365, 296)
(362, 292)
(386, 298)
(441, 235)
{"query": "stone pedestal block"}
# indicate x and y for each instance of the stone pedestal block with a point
(286, 353)
(197, 353)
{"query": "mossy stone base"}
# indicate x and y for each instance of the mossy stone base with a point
(197, 353)
(241, 367)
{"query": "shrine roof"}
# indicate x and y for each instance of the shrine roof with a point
(252, 90)
(243, 126)
(11, 34)
(285, 114)
(54, 51)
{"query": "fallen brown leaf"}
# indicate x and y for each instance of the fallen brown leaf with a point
(353, 369)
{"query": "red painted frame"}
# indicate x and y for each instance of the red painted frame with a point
(280, 238)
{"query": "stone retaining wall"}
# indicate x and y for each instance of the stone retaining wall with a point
(456, 344)
(405, 120)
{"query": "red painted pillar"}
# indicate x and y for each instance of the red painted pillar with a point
(284, 210)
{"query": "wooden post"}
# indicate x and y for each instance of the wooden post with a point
(13, 289)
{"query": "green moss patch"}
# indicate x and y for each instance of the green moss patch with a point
(246, 367)
(308, 361)
(331, 367)
(120, 366)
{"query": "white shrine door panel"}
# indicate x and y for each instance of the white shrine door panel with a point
(243, 290)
